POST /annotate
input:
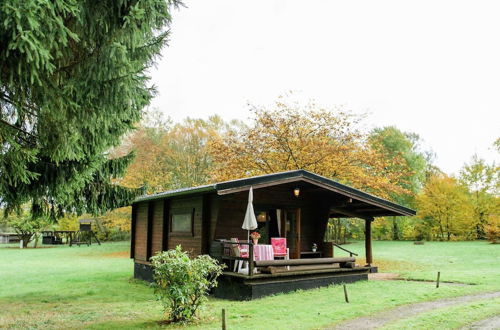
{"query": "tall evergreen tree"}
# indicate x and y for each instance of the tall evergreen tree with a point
(72, 82)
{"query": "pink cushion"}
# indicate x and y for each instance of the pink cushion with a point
(279, 245)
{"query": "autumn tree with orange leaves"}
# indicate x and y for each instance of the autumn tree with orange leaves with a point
(289, 136)
(171, 156)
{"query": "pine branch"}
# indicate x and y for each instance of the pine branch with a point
(7, 99)
(18, 129)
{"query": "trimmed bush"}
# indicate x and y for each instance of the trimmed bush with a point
(183, 283)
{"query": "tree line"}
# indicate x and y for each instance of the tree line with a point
(385, 161)
(285, 136)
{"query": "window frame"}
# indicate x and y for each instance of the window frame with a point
(181, 211)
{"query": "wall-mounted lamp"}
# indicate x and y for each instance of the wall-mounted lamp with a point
(296, 192)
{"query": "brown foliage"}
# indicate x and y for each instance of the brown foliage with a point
(170, 157)
(492, 229)
(290, 137)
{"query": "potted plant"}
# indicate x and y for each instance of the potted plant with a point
(255, 237)
(314, 247)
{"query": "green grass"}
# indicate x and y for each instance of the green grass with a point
(467, 262)
(91, 287)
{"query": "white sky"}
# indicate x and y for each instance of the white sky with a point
(429, 67)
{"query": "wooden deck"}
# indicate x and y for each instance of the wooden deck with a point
(238, 286)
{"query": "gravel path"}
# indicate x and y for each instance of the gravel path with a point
(486, 324)
(406, 311)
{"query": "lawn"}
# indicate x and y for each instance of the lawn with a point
(91, 287)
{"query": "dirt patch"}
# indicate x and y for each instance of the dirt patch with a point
(489, 323)
(383, 276)
(119, 254)
(385, 265)
(406, 311)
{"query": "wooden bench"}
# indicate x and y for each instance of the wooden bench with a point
(279, 266)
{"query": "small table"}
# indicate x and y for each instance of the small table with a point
(311, 254)
(263, 252)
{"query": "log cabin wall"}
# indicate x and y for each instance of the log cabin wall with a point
(191, 242)
(209, 221)
(214, 213)
(140, 232)
(157, 227)
(151, 227)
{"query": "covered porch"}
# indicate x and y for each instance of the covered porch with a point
(296, 210)
(260, 278)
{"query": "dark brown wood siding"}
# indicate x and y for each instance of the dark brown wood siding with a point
(206, 223)
(157, 227)
(189, 242)
(313, 226)
(141, 222)
(132, 231)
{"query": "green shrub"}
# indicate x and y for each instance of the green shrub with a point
(113, 235)
(183, 283)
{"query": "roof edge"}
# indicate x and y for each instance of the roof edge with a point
(267, 178)
(359, 193)
(174, 193)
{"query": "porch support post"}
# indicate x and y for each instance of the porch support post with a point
(368, 242)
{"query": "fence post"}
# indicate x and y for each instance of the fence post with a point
(223, 319)
(437, 281)
(345, 294)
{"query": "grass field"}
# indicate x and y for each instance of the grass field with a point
(92, 287)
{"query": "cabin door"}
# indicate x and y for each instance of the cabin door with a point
(291, 224)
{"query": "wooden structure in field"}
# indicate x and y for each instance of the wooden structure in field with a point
(295, 205)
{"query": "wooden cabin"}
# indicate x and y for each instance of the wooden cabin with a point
(295, 205)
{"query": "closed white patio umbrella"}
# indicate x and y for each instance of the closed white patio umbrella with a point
(250, 222)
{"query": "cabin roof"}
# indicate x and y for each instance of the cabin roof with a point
(233, 186)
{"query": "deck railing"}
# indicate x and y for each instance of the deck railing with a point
(228, 255)
(350, 252)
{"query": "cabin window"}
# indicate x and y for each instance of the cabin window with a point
(181, 221)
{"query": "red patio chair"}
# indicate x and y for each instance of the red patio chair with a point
(279, 247)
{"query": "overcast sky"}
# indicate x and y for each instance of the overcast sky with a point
(429, 67)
